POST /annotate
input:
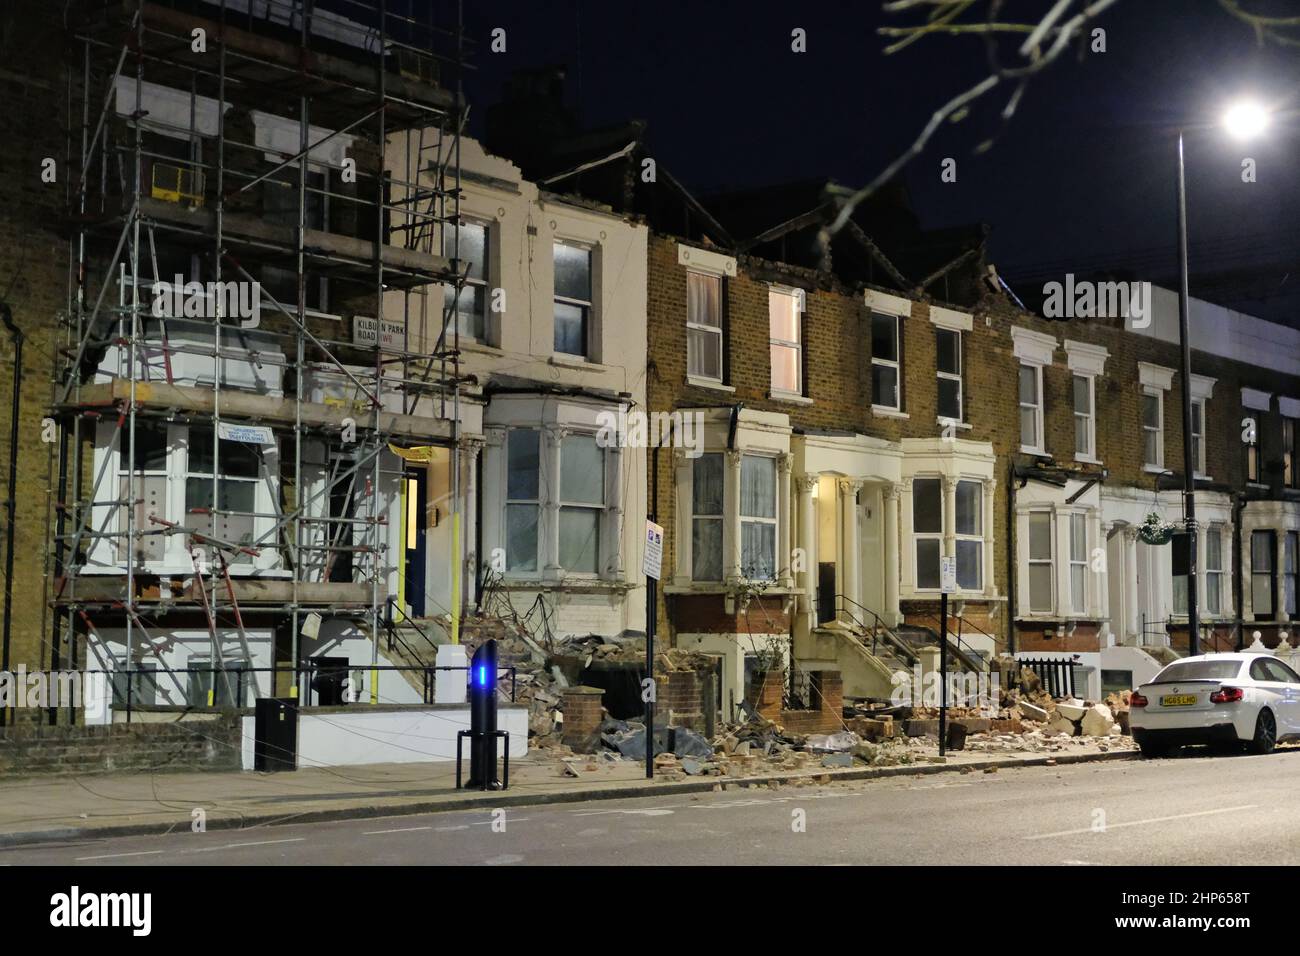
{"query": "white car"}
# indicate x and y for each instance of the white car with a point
(1228, 700)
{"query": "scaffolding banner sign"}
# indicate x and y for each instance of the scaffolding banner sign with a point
(366, 331)
(248, 434)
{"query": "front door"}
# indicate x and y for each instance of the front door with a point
(414, 501)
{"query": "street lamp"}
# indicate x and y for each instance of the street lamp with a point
(1244, 119)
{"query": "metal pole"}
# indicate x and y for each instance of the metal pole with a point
(943, 673)
(650, 588)
(1189, 463)
(10, 501)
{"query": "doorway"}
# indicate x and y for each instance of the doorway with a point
(415, 497)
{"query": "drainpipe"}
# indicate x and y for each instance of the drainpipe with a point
(6, 315)
(1011, 556)
(1238, 593)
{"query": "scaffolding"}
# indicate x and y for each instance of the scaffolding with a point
(237, 145)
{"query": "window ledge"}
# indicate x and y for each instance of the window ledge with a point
(884, 411)
(792, 397)
(709, 383)
(1087, 460)
(1154, 469)
(575, 361)
(1036, 452)
(946, 422)
(474, 345)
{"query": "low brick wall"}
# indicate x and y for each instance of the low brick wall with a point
(198, 744)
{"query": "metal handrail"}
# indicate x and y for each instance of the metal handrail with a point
(877, 626)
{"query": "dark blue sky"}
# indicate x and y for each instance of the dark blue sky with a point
(1083, 177)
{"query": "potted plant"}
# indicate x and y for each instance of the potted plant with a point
(1156, 530)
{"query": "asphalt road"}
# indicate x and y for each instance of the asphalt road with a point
(1183, 810)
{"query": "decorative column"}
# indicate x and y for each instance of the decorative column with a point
(681, 491)
(949, 516)
(731, 549)
(807, 542)
(849, 546)
(469, 456)
(1279, 574)
(548, 531)
(613, 531)
(1131, 623)
(986, 528)
(890, 611)
(784, 464)
(1102, 579)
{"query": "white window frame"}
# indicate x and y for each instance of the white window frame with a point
(536, 503)
(1078, 521)
(720, 518)
(1050, 561)
(1198, 437)
(1088, 361)
(1213, 574)
(1089, 417)
(919, 536)
(1039, 445)
(895, 363)
(796, 297)
(952, 376)
(774, 521)
(589, 304)
(600, 508)
(1158, 429)
(977, 537)
(715, 332)
(489, 229)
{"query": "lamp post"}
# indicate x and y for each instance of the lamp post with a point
(1243, 120)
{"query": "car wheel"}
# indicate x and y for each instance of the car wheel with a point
(1150, 749)
(1265, 733)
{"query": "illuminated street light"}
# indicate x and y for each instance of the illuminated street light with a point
(1245, 119)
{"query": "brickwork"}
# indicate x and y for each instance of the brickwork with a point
(212, 744)
(583, 712)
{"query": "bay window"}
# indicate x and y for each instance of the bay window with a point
(758, 517)
(970, 536)
(582, 503)
(1214, 571)
(523, 500)
(230, 516)
(1263, 580)
(927, 528)
(704, 326)
(1040, 562)
(1079, 563)
(706, 517)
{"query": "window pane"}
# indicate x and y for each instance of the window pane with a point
(1040, 587)
(969, 556)
(884, 385)
(884, 338)
(579, 539)
(706, 490)
(572, 272)
(927, 563)
(927, 506)
(1078, 538)
(238, 460)
(1078, 599)
(949, 351)
(706, 549)
(1214, 550)
(704, 353)
(1040, 536)
(150, 448)
(522, 461)
(704, 300)
(1150, 411)
(1081, 403)
(757, 487)
(521, 537)
(570, 328)
(1198, 410)
(469, 308)
(582, 470)
(1028, 428)
(1028, 385)
(785, 368)
(1082, 440)
(1261, 551)
(1261, 595)
(1212, 593)
(1151, 448)
(472, 248)
(783, 315)
(758, 550)
(969, 507)
(950, 398)
(235, 495)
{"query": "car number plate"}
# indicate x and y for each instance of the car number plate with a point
(1177, 700)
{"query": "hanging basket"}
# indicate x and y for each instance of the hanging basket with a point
(1156, 530)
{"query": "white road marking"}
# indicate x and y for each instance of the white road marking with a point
(638, 813)
(1138, 823)
(237, 846)
(114, 856)
(399, 830)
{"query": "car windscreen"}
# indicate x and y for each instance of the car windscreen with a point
(1198, 670)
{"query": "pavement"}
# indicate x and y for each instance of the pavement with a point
(41, 809)
(1194, 809)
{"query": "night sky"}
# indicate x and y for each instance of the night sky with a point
(1082, 179)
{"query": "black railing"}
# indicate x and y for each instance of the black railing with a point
(1056, 674)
